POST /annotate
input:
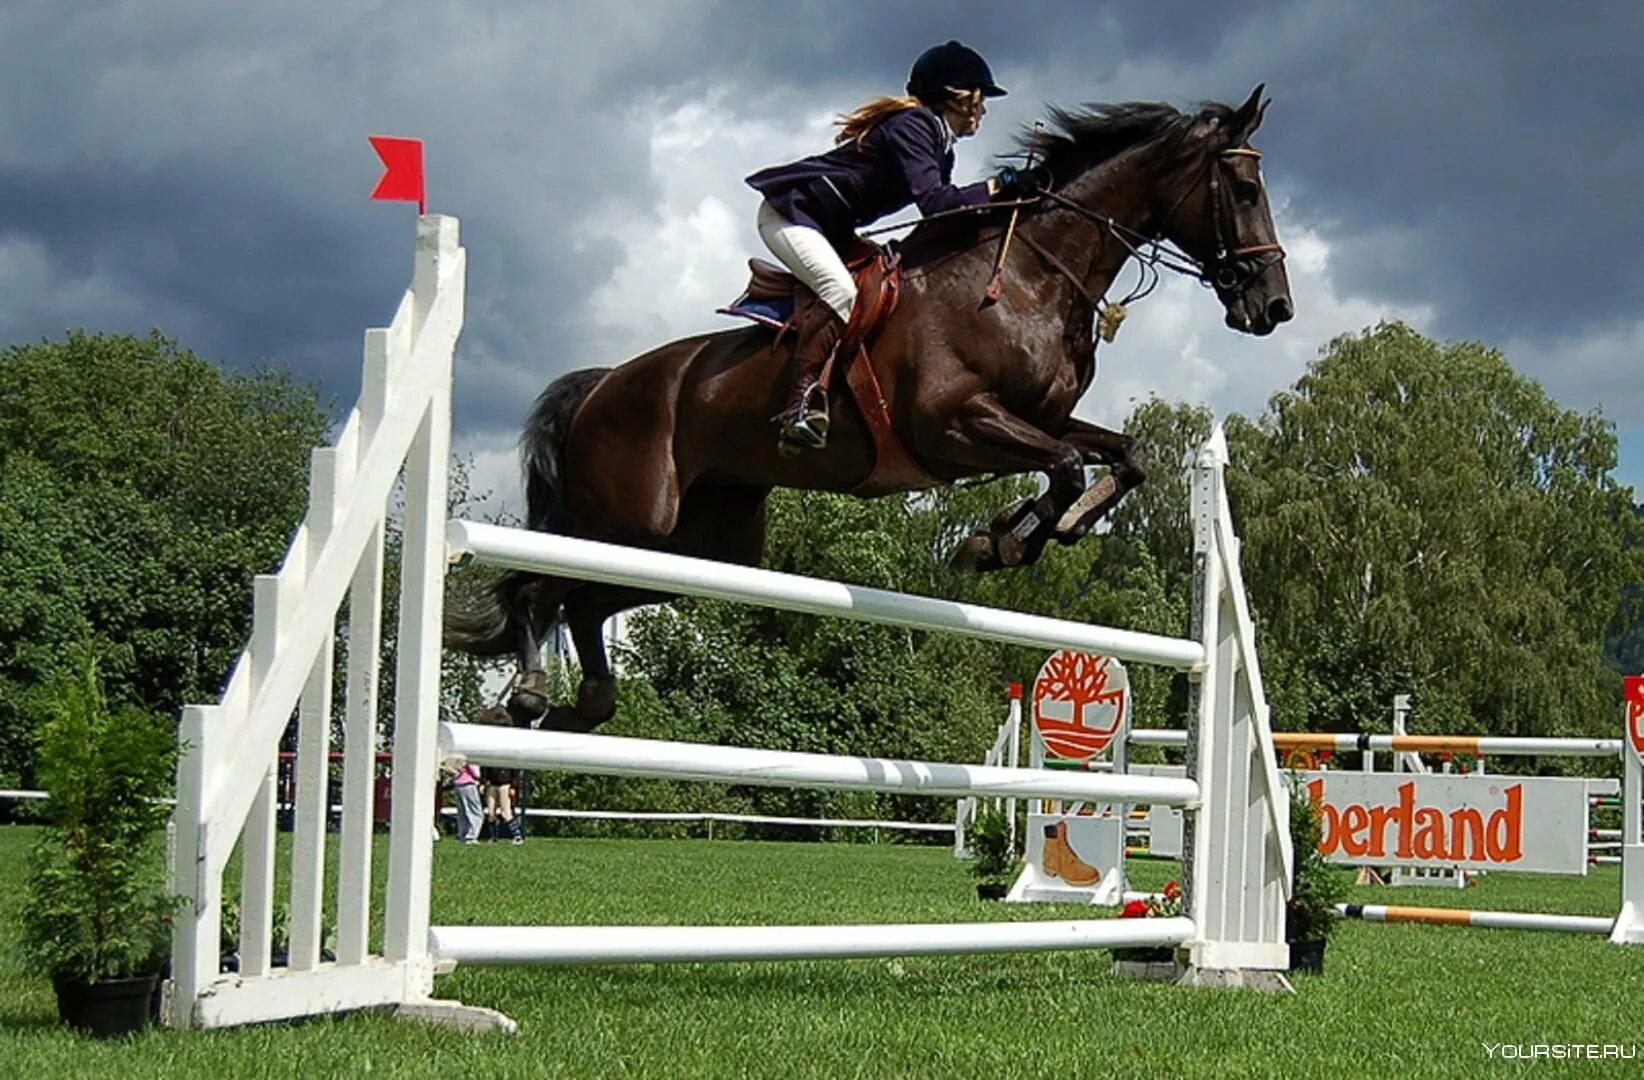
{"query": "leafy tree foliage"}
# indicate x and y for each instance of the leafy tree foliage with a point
(142, 488)
(1418, 516)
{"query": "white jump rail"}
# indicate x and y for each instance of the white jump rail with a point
(712, 817)
(1236, 849)
(589, 560)
(504, 945)
(612, 755)
(1426, 744)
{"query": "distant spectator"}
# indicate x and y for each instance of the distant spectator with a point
(470, 815)
(500, 786)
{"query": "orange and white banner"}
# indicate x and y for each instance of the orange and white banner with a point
(1535, 824)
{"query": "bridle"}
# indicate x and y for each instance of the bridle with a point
(1228, 271)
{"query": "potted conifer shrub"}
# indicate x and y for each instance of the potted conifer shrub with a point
(992, 856)
(1318, 887)
(96, 914)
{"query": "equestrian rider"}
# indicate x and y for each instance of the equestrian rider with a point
(890, 152)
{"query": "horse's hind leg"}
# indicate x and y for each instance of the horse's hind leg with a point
(586, 610)
(724, 524)
(531, 601)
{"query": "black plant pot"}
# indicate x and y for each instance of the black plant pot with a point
(1145, 954)
(992, 890)
(108, 1008)
(1307, 956)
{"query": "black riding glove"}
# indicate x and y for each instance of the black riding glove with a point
(1025, 183)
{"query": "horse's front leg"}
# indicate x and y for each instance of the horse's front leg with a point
(1127, 471)
(986, 437)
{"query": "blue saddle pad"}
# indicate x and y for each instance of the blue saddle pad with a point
(771, 313)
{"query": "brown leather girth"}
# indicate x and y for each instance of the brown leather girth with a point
(878, 287)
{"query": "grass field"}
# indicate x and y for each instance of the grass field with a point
(1394, 1001)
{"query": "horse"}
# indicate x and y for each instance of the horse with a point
(675, 450)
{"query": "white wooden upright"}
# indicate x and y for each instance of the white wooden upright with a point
(225, 789)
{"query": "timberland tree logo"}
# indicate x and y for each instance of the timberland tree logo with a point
(1404, 831)
(1080, 703)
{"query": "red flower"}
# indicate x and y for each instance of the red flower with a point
(1172, 891)
(1136, 909)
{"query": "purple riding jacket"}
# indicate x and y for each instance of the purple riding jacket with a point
(902, 160)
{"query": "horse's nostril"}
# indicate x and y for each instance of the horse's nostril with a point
(1279, 310)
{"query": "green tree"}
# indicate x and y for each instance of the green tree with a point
(142, 487)
(1418, 516)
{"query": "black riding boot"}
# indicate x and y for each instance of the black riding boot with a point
(805, 419)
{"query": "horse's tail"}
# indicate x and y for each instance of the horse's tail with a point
(483, 628)
(542, 448)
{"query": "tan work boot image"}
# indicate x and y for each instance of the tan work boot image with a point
(1061, 861)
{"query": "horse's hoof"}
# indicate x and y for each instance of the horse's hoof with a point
(1011, 549)
(565, 718)
(974, 555)
(526, 706)
(1086, 510)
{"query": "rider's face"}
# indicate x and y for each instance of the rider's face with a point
(965, 113)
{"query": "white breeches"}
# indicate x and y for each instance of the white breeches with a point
(810, 258)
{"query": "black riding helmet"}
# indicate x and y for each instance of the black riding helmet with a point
(941, 69)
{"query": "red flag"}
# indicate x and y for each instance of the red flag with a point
(402, 181)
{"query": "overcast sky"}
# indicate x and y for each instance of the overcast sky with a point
(1476, 169)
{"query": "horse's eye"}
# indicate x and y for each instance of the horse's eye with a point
(1247, 191)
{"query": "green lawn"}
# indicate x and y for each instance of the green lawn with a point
(1395, 1000)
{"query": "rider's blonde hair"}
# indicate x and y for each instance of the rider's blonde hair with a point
(857, 124)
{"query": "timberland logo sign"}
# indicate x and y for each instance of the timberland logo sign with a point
(1080, 704)
(1530, 823)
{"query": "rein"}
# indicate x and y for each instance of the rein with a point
(1151, 252)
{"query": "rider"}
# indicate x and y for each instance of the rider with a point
(890, 152)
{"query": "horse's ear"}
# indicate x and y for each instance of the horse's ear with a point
(1248, 117)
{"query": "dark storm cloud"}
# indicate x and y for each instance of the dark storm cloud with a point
(204, 169)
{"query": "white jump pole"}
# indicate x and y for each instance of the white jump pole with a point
(609, 755)
(1424, 744)
(704, 944)
(587, 560)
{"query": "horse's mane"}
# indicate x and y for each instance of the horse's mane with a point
(1074, 142)
(1077, 140)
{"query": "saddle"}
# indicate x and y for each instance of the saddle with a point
(773, 296)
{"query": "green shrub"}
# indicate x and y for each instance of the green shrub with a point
(988, 838)
(1319, 886)
(96, 906)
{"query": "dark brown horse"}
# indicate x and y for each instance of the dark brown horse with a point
(675, 450)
